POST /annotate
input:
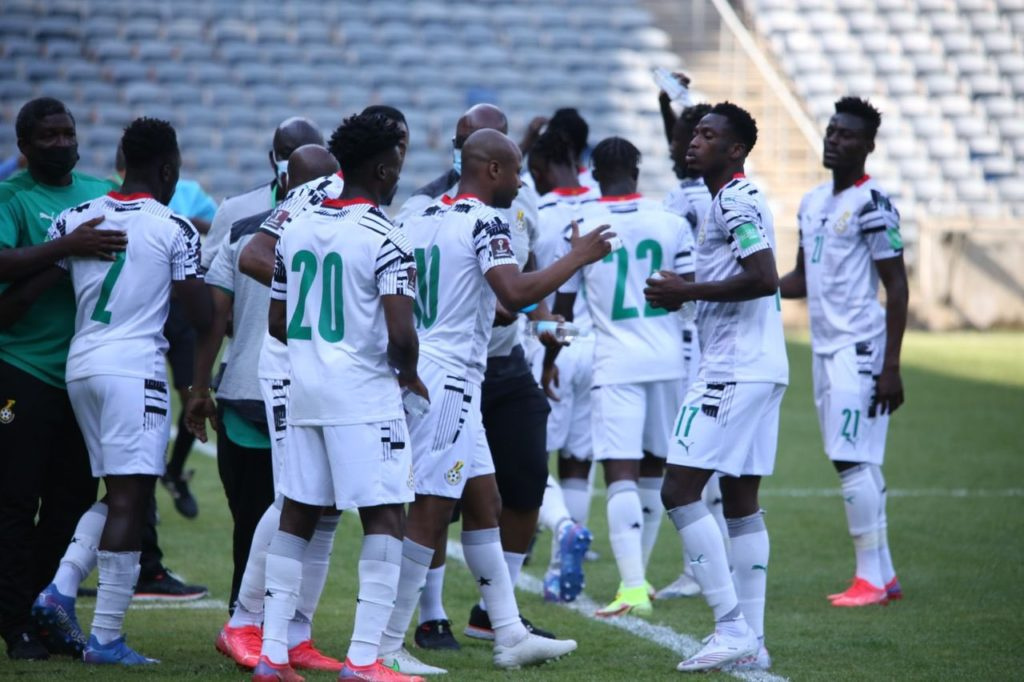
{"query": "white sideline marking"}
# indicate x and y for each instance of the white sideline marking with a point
(898, 492)
(196, 605)
(662, 635)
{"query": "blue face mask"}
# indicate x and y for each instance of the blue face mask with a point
(457, 161)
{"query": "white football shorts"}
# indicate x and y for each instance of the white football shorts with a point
(844, 388)
(275, 402)
(449, 443)
(348, 466)
(629, 419)
(126, 423)
(732, 428)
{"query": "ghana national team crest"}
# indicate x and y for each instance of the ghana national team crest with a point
(842, 223)
(454, 475)
(7, 412)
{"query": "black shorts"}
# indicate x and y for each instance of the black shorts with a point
(181, 350)
(515, 415)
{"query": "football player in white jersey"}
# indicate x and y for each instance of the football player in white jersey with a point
(639, 361)
(342, 301)
(116, 372)
(729, 420)
(849, 240)
(465, 247)
(567, 501)
(691, 200)
(241, 467)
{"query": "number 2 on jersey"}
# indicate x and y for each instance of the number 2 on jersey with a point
(648, 248)
(331, 323)
(100, 313)
(425, 305)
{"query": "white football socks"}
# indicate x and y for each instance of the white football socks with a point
(885, 558)
(576, 493)
(860, 493)
(315, 564)
(80, 556)
(431, 602)
(514, 561)
(249, 607)
(284, 580)
(487, 564)
(750, 549)
(649, 489)
(625, 531)
(119, 571)
(552, 509)
(712, 497)
(704, 550)
(415, 564)
(380, 565)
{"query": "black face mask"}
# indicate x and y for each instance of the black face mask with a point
(56, 162)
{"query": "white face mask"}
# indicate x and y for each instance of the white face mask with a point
(282, 171)
(457, 161)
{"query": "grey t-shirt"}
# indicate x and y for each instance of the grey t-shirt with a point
(250, 302)
(522, 218)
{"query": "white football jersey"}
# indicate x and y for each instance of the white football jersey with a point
(690, 200)
(333, 264)
(557, 209)
(842, 235)
(122, 305)
(634, 342)
(273, 362)
(739, 340)
(456, 242)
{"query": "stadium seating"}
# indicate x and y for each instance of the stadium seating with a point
(225, 73)
(948, 75)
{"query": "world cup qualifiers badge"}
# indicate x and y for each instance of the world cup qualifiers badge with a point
(454, 475)
(7, 413)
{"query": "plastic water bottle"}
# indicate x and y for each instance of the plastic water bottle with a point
(688, 311)
(673, 88)
(564, 332)
(415, 404)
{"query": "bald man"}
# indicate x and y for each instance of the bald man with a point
(515, 410)
(464, 250)
(248, 452)
(291, 134)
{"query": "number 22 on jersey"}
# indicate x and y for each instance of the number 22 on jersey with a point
(648, 249)
(331, 322)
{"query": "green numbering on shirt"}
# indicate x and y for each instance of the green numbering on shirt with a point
(331, 323)
(646, 249)
(819, 241)
(100, 313)
(425, 306)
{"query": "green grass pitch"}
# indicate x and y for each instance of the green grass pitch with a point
(959, 556)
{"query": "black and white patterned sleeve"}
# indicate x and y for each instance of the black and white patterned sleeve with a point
(395, 266)
(492, 241)
(279, 282)
(741, 220)
(879, 223)
(185, 251)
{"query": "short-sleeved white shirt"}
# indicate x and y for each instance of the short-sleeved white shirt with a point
(842, 236)
(556, 210)
(333, 264)
(273, 362)
(691, 200)
(456, 242)
(740, 341)
(634, 342)
(122, 305)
